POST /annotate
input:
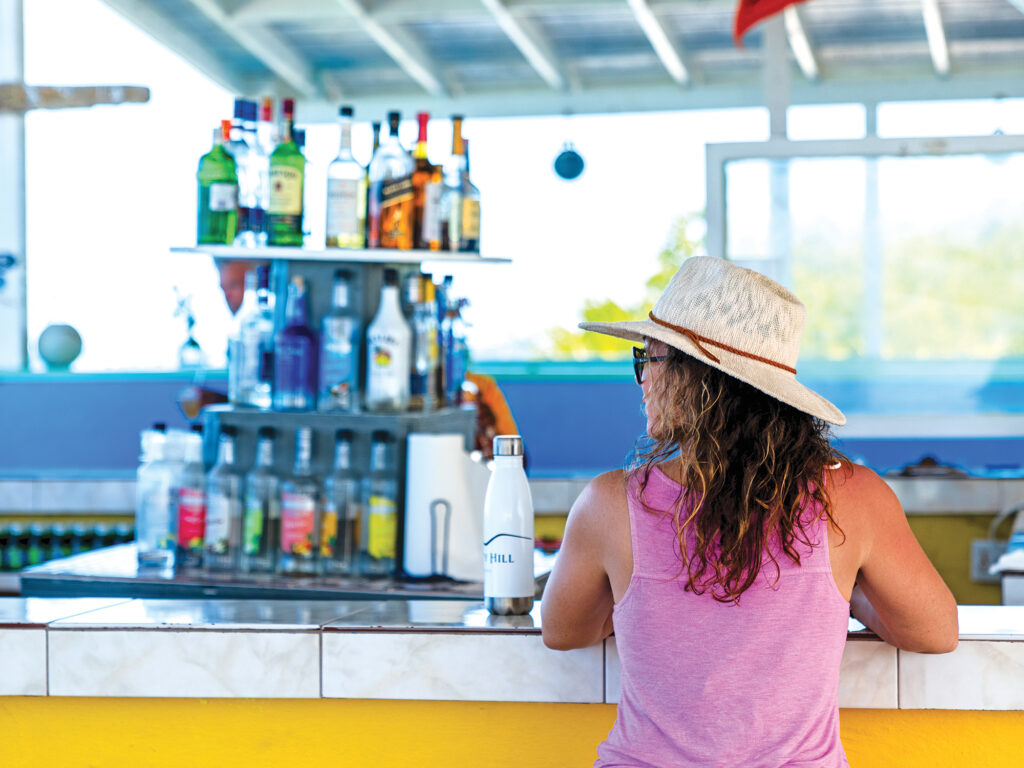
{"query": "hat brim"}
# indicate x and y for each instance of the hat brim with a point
(773, 381)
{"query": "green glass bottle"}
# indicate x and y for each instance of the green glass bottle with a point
(287, 176)
(218, 192)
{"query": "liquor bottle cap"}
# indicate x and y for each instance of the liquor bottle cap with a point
(346, 112)
(266, 432)
(197, 428)
(380, 436)
(346, 435)
(508, 445)
(391, 276)
(288, 107)
(228, 431)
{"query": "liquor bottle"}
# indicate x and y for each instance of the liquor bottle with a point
(300, 510)
(237, 365)
(191, 503)
(266, 131)
(340, 335)
(218, 192)
(372, 204)
(223, 538)
(295, 354)
(508, 532)
(426, 186)
(287, 174)
(451, 195)
(254, 192)
(254, 353)
(388, 352)
(342, 517)
(241, 150)
(154, 503)
(423, 381)
(346, 193)
(469, 238)
(442, 291)
(379, 541)
(391, 172)
(456, 350)
(261, 522)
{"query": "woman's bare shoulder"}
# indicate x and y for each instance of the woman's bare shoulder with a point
(603, 496)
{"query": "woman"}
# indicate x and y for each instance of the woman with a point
(730, 555)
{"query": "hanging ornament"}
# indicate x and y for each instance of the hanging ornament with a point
(569, 163)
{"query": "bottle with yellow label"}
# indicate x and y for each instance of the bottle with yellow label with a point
(380, 534)
(287, 177)
(460, 199)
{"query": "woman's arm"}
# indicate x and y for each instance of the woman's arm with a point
(576, 610)
(899, 595)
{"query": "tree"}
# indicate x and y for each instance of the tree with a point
(566, 344)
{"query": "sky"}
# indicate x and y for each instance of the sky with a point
(111, 189)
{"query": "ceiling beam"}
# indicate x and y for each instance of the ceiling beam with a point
(936, 32)
(531, 42)
(170, 33)
(667, 51)
(277, 55)
(405, 51)
(799, 43)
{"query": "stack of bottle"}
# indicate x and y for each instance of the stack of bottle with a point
(228, 520)
(252, 183)
(415, 351)
(24, 545)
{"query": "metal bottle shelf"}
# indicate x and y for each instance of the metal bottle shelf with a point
(366, 268)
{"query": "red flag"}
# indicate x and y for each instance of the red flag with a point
(749, 12)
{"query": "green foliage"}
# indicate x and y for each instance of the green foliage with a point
(566, 344)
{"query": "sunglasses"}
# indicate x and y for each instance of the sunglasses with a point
(640, 359)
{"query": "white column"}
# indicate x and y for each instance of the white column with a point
(13, 342)
(776, 97)
(874, 264)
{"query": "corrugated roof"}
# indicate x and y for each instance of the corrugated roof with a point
(493, 57)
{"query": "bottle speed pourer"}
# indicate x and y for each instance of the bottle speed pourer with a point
(508, 532)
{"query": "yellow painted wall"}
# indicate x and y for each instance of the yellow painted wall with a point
(116, 733)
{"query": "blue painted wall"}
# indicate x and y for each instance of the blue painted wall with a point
(89, 425)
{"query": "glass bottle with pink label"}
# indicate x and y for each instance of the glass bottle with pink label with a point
(191, 504)
(300, 511)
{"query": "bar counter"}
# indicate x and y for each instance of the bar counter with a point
(448, 678)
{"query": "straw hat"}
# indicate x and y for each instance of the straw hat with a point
(735, 320)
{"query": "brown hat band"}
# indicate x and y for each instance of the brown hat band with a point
(699, 341)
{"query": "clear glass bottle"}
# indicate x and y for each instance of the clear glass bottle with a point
(242, 151)
(255, 191)
(154, 502)
(237, 363)
(469, 237)
(508, 532)
(427, 186)
(372, 204)
(340, 336)
(346, 192)
(391, 191)
(254, 353)
(456, 351)
(266, 131)
(191, 504)
(380, 500)
(223, 537)
(388, 351)
(451, 195)
(261, 523)
(423, 379)
(217, 176)
(295, 354)
(287, 177)
(342, 517)
(300, 511)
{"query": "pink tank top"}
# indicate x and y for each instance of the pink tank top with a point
(705, 683)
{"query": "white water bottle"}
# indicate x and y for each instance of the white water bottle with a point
(508, 532)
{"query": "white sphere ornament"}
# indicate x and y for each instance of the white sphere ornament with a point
(59, 345)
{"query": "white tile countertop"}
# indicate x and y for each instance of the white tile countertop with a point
(421, 649)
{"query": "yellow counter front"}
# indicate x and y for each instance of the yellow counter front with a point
(93, 682)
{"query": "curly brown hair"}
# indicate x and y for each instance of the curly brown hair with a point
(749, 466)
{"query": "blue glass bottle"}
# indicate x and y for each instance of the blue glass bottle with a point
(295, 354)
